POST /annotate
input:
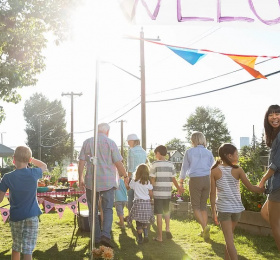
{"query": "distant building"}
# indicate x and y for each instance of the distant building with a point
(177, 158)
(244, 141)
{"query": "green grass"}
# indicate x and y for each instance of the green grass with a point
(60, 239)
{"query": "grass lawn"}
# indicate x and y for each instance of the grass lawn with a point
(59, 239)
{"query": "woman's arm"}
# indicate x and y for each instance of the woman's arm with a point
(185, 167)
(267, 175)
(247, 183)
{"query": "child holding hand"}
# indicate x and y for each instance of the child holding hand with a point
(225, 185)
(141, 210)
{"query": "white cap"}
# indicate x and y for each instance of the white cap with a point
(132, 137)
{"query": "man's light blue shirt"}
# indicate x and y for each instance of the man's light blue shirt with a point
(197, 162)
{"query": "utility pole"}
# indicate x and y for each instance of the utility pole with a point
(72, 120)
(2, 143)
(143, 87)
(39, 138)
(121, 121)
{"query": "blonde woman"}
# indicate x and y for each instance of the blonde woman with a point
(197, 165)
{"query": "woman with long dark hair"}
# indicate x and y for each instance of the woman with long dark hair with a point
(271, 208)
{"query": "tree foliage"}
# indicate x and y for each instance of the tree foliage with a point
(47, 119)
(211, 122)
(252, 159)
(176, 144)
(23, 30)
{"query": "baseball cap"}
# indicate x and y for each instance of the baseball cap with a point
(132, 137)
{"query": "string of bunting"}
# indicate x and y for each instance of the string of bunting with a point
(48, 206)
(192, 56)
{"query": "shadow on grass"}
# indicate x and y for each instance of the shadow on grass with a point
(219, 250)
(54, 253)
(3, 256)
(130, 249)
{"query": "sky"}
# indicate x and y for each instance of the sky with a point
(99, 32)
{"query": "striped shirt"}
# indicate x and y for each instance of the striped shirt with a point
(228, 192)
(163, 172)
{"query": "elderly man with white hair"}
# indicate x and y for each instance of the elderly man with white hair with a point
(109, 160)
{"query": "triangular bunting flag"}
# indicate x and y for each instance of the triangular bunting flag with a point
(128, 7)
(60, 209)
(73, 206)
(48, 206)
(83, 199)
(5, 214)
(248, 63)
(40, 201)
(191, 56)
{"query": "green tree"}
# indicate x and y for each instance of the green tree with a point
(23, 30)
(251, 161)
(211, 122)
(176, 144)
(46, 119)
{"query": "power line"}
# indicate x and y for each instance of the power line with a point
(205, 80)
(214, 90)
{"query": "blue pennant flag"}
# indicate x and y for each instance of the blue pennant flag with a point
(191, 56)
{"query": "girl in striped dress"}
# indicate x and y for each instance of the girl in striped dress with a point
(225, 185)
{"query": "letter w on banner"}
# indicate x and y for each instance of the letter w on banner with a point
(83, 199)
(60, 209)
(5, 214)
(73, 206)
(48, 206)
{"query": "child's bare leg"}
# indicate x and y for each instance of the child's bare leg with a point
(264, 212)
(159, 227)
(27, 257)
(121, 223)
(167, 222)
(274, 220)
(230, 250)
(15, 255)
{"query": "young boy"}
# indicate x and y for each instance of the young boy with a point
(121, 201)
(162, 174)
(24, 208)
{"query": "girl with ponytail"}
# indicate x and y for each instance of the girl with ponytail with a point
(225, 195)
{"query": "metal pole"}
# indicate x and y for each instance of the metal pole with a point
(143, 90)
(122, 138)
(93, 193)
(72, 128)
(39, 138)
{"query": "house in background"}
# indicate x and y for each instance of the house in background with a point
(177, 158)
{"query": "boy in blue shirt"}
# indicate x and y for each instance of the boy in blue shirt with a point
(121, 201)
(24, 208)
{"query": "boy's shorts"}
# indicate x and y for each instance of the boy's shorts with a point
(225, 216)
(24, 235)
(161, 206)
(119, 205)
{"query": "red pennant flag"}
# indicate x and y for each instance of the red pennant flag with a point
(73, 206)
(60, 209)
(5, 214)
(248, 63)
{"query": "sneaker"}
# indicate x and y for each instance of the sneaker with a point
(105, 241)
(206, 232)
(140, 239)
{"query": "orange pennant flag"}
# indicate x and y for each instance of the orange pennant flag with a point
(248, 63)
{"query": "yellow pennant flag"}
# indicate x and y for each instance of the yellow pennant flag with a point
(248, 63)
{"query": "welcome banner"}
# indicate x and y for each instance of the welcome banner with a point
(48, 206)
